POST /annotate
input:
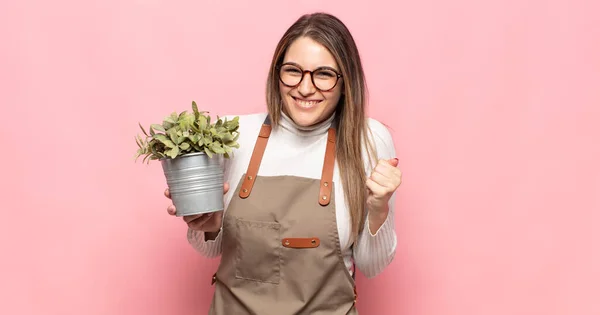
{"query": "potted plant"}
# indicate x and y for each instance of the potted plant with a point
(190, 150)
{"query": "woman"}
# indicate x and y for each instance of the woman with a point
(315, 184)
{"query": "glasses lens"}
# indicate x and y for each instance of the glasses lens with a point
(290, 75)
(324, 79)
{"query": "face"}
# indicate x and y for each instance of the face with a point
(305, 103)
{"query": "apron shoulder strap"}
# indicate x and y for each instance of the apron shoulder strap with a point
(259, 150)
(257, 155)
(327, 173)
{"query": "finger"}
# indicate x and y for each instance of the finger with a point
(190, 218)
(171, 210)
(382, 180)
(385, 168)
(375, 188)
(167, 193)
(199, 222)
(225, 188)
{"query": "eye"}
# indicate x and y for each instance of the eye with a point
(325, 74)
(291, 70)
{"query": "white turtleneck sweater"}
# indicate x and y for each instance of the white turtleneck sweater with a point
(298, 151)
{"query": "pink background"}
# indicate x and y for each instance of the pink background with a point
(494, 106)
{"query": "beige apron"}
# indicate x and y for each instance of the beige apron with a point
(281, 249)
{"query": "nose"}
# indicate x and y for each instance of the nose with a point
(306, 86)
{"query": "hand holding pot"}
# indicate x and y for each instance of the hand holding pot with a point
(209, 222)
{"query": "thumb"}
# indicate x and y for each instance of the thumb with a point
(225, 188)
(393, 162)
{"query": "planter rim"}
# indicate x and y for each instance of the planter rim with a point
(184, 155)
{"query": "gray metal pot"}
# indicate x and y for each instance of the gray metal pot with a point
(195, 182)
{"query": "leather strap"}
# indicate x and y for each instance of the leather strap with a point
(257, 154)
(327, 174)
(259, 150)
(301, 242)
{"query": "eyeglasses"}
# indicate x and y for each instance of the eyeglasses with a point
(323, 78)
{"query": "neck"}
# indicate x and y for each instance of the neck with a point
(320, 128)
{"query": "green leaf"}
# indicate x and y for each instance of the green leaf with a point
(195, 109)
(169, 144)
(157, 127)
(207, 151)
(137, 140)
(170, 120)
(167, 125)
(184, 146)
(144, 131)
(233, 144)
(153, 149)
(173, 152)
(202, 123)
(226, 137)
(172, 134)
(196, 147)
(186, 121)
(217, 149)
(164, 140)
(160, 137)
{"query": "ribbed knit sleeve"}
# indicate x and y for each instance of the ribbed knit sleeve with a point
(208, 248)
(375, 250)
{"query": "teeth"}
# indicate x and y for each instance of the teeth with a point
(306, 103)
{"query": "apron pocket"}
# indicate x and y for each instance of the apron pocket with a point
(258, 251)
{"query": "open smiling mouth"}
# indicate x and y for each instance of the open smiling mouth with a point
(306, 103)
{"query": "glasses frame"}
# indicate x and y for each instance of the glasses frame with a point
(304, 72)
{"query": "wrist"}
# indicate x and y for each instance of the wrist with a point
(377, 217)
(378, 214)
(379, 210)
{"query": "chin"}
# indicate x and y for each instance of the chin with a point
(304, 115)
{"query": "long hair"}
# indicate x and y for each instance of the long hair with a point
(352, 127)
